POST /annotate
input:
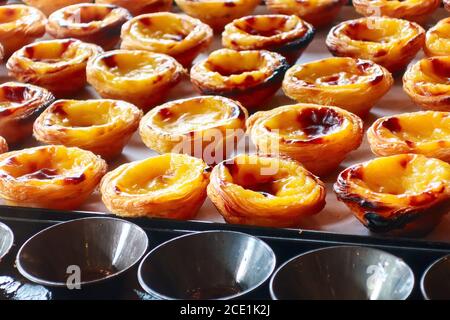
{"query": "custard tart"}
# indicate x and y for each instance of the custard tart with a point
(3, 145)
(176, 35)
(138, 7)
(437, 41)
(166, 186)
(88, 22)
(250, 76)
(390, 42)
(19, 26)
(101, 126)
(447, 4)
(287, 35)
(207, 127)
(265, 191)
(413, 10)
(402, 194)
(427, 83)
(49, 6)
(352, 84)
(319, 137)
(53, 177)
(20, 105)
(140, 77)
(318, 12)
(57, 65)
(217, 13)
(426, 132)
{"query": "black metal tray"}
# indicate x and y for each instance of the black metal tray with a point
(25, 222)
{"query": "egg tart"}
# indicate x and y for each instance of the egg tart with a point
(318, 12)
(265, 191)
(317, 136)
(57, 65)
(390, 42)
(413, 10)
(166, 186)
(437, 41)
(49, 6)
(142, 78)
(217, 13)
(3, 145)
(53, 177)
(20, 105)
(101, 126)
(177, 35)
(401, 194)
(352, 84)
(447, 4)
(250, 76)
(88, 22)
(20, 25)
(138, 7)
(206, 127)
(287, 35)
(427, 83)
(426, 132)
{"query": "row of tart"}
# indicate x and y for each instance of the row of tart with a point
(400, 194)
(219, 13)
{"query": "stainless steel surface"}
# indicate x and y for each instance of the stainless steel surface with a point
(6, 240)
(435, 283)
(207, 265)
(102, 248)
(343, 272)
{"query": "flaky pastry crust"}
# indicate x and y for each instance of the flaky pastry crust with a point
(138, 7)
(401, 194)
(413, 10)
(425, 132)
(20, 105)
(19, 26)
(318, 12)
(250, 77)
(93, 23)
(265, 191)
(189, 125)
(57, 65)
(352, 84)
(217, 13)
(176, 35)
(140, 77)
(390, 42)
(101, 126)
(427, 83)
(49, 6)
(53, 177)
(287, 35)
(166, 186)
(319, 137)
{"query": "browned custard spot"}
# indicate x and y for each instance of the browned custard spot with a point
(392, 124)
(110, 61)
(87, 15)
(228, 70)
(440, 68)
(275, 26)
(319, 122)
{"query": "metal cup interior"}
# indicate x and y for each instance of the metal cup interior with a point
(344, 273)
(81, 252)
(207, 265)
(6, 240)
(435, 283)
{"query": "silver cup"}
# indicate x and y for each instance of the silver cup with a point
(6, 240)
(344, 273)
(435, 283)
(81, 252)
(207, 265)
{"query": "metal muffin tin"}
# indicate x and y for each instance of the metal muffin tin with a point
(286, 244)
